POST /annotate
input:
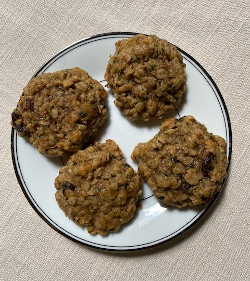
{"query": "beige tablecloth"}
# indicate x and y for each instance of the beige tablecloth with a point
(217, 35)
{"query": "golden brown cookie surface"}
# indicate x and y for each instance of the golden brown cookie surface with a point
(147, 76)
(98, 189)
(183, 164)
(59, 111)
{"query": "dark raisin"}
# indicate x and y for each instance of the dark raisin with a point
(26, 134)
(161, 198)
(207, 165)
(15, 117)
(67, 185)
(21, 129)
(29, 105)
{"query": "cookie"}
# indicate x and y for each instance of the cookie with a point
(183, 164)
(59, 111)
(147, 76)
(98, 189)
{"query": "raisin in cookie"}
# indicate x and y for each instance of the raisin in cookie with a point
(147, 76)
(59, 111)
(98, 189)
(183, 164)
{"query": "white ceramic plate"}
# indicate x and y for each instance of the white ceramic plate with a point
(152, 224)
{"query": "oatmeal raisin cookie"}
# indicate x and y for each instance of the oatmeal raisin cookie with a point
(147, 76)
(183, 164)
(98, 189)
(59, 111)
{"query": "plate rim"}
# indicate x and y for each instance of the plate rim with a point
(191, 223)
